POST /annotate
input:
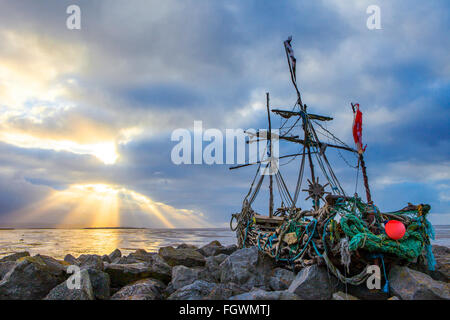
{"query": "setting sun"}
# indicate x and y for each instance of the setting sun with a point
(100, 205)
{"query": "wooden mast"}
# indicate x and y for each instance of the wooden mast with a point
(269, 137)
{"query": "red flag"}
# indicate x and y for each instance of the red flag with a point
(357, 129)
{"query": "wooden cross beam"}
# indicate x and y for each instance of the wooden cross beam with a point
(287, 114)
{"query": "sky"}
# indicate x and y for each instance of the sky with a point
(86, 116)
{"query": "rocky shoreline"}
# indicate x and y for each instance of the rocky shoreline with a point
(212, 272)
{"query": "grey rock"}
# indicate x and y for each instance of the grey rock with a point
(314, 283)
(114, 255)
(363, 293)
(139, 297)
(218, 259)
(281, 279)
(223, 291)
(186, 257)
(247, 268)
(211, 272)
(183, 276)
(343, 296)
(160, 269)
(63, 292)
(186, 246)
(125, 260)
(141, 255)
(5, 267)
(228, 249)
(91, 261)
(15, 256)
(72, 260)
(260, 294)
(32, 278)
(101, 283)
(211, 249)
(442, 257)
(106, 259)
(199, 290)
(214, 248)
(123, 274)
(146, 289)
(57, 264)
(410, 284)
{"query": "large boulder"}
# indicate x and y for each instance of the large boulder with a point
(57, 264)
(141, 255)
(215, 247)
(115, 255)
(5, 267)
(71, 260)
(199, 290)
(183, 276)
(101, 284)
(15, 256)
(314, 283)
(223, 291)
(247, 268)
(145, 289)
(125, 260)
(211, 249)
(228, 249)
(442, 256)
(410, 284)
(211, 272)
(442, 267)
(260, 294)
(186, 257)
(281, 279)
(362, 292)
(64, 292)
(32, 278)
(123, 274)
(91, 261)
(186, 246)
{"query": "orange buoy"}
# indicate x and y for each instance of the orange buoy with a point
(395, 229)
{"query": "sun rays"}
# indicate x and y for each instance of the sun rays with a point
(103, 205)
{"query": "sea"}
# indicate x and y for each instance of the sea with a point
(59, 242)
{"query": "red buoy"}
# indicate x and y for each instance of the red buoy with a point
(395, 229)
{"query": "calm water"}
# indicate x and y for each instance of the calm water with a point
(59, 242)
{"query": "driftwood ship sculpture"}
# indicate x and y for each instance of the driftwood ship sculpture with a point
(340, 230)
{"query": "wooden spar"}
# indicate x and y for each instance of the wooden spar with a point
(282, 157)
(287, 114)
(270, 153)
(366, 180)
(301, 141)
(307, 142)
(320, 144)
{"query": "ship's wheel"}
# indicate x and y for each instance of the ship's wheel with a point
(316, 191)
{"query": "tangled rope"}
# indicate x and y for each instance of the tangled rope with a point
(336, 232)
